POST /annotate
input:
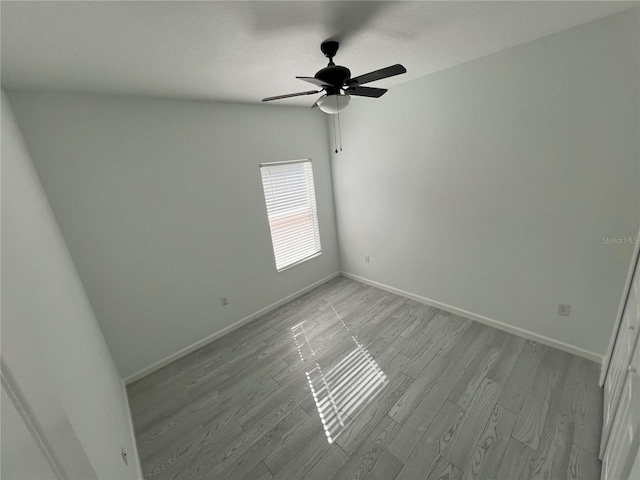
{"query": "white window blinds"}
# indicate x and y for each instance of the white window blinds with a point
(291, 207)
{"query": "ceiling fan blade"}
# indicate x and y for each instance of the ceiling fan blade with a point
(315, 81)
(289, 95)
(366, 91)
(378, 75)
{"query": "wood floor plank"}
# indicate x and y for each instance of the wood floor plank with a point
(487, 455)
(392, 325)
(210, 454)
(473, 377)
(419, 316)
(571, 385)
(443, 340)
(443, 470)
(242, 458)
(588, 420)
(183, 422)
(516, 462)
(583, 465)
(555, 359)
(386, 468)
(171, 378)
(328, 339)
(452, 355)
(327, 465)
(430, 334)
(214, 352)
(509, 351)
(429, 389)
(335, 341)
(310, 300)
(423, 336)
(376, 317)
(372, 303)
(278, 403)
(363, 460)
(450, 365)
(421, 416)
(552, 458)
(253, 390)
(368, 418)
(220, 424)
(390, 360)
(535, 408)
(338, 292)
(292, 442)
(259, 472)
(473, 423)
(252, 381)
(461, 360)
(302, 463)
(434, 441)
(242, 406)
(390, 328)
(517, 385)
(168, 463)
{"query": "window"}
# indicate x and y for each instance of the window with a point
(291, 207)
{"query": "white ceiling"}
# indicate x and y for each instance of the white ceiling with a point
(243, 51)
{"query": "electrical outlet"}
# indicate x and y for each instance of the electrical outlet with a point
(124, 456)
(224, 301)
(564, 309)
(366, 259)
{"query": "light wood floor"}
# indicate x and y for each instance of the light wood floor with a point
(349, 381)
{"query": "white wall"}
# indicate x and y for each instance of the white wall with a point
(52, 345)
(489, 186)
(161, 204)
(22, 459)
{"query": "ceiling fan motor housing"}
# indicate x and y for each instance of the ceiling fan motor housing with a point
(334, 75)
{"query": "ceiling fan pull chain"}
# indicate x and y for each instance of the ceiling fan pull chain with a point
(335, 140)
(339, 130)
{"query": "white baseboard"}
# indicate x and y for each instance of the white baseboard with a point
(521, 332)
(132, 432)
(200, 343)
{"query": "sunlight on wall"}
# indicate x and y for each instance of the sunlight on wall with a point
(339, 390)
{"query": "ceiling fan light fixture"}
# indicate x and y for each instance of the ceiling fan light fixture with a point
(335, 103)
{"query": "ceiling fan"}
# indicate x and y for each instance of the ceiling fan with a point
(338, 85)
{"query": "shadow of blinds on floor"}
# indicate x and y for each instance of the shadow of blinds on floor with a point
(340, 390)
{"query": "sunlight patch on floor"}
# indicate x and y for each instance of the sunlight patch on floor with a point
(340, 390)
